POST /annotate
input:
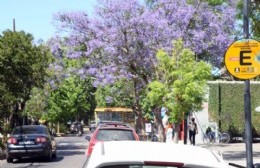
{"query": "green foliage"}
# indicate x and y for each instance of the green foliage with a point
(230, 97)
(181, 82)
(71, 100)
(254, 17)
(210, 2)
(36, 105)
(157, 92)
(119, 94)
(22, 67)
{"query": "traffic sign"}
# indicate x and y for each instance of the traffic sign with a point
(242, 59)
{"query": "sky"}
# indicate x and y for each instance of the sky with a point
(36, 16)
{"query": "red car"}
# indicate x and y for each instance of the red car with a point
(113, 131)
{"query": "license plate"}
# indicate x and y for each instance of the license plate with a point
(26, 143)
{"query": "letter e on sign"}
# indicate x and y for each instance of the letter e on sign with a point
(242, 59)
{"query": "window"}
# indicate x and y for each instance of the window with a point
(114, 135)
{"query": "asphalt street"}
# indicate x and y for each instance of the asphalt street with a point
(232, 152)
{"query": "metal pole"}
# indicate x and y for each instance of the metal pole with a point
(14, 25)
(248, 126)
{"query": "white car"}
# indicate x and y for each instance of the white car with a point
(145, 154)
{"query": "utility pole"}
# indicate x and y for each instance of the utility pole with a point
(13, 25)
(247, 108)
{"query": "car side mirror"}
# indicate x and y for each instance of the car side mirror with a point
(87, 138)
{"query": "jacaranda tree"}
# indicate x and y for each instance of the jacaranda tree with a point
(122, 38)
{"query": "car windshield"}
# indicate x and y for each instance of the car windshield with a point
(114, 134)
(27, 130)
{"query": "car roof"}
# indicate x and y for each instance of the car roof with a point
(24, 128)
(119, 152)
(30, 126)
(110, 122)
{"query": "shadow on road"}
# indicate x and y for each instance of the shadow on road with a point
(69, 153)
(67, 147)
(37, 160)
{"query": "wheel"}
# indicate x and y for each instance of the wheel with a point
(49, 156)
(54, 155)
(225, 138)
(9, 159)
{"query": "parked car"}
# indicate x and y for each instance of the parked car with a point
(146, 154)
(111, 131)
(76, 127)
(31, 141)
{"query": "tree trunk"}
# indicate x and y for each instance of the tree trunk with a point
(159, 125)
(140, 121)
(176, 133)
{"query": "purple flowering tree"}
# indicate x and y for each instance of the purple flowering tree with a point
(122, 38)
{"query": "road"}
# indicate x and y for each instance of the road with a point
(70, 153)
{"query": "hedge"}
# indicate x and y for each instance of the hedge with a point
(226, 105)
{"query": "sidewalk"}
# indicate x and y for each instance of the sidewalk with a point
(235, 152)
(231, 152)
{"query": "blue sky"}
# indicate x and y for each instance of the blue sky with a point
(35, 16)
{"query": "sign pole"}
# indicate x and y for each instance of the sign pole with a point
(247, 99)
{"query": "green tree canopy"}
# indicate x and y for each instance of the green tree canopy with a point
(180, 83)
(70, 100)
(22, 67)
(119, 94)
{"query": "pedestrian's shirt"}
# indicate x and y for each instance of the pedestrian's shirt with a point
(193, 126)
(165, 121)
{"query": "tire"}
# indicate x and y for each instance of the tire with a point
(54, 155)
(225, 138)
(49, 156)
(9, 159)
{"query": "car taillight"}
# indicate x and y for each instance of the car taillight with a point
(12, 141)
(40, 139)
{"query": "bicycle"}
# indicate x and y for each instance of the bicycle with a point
(212, 138)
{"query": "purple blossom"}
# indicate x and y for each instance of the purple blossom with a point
(122, 38)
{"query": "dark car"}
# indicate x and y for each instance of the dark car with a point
(76, 127)
(29, 141)
(111, 131)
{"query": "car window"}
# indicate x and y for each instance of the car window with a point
(28, 130)
(114, 135)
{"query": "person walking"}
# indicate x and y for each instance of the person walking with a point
(169, 133)
(193, 130)
(165, 122)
